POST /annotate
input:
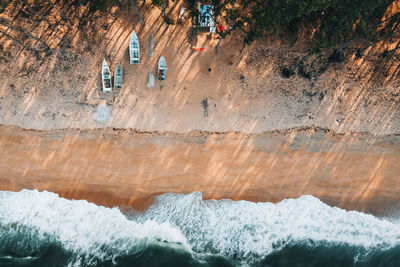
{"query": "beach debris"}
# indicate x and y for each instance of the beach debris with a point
(198, 49)
(340, 120)
(209, 69)
(134, 50)
(102, 113)
(118, 77)
(106, 77)
(151, 80)
(162, 68)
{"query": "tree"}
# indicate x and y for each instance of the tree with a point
(101, 5)
(329, 22)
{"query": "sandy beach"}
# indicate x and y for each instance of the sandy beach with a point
(127, 168)
(245, 90)
(241, 131)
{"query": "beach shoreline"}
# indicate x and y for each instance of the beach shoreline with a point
(126, 168)
(243, 131)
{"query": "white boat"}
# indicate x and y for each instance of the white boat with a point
(118, 76)
(162, 68)
(134, 51)
(106, 77)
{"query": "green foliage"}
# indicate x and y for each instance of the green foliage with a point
(102, 5)
(329, 22)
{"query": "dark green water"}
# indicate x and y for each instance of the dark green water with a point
(55, 255)
(42, 229)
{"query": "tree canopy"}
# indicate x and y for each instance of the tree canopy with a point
(101, 4)
(329, 22)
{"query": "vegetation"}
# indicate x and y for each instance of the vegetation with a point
(329, 23)
(102, 5)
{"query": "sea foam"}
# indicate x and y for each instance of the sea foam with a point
(251, 231)
(81, 227)
(243, 230)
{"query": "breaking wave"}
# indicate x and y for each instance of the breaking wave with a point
(42, 229)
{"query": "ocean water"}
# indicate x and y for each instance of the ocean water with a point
(42, 229)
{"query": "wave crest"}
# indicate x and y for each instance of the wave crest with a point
(88, 231)
(244, 231)
(251, 231)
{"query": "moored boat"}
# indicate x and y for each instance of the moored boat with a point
(106, 77)
(134, 50)
(118, 76)
(162, 68)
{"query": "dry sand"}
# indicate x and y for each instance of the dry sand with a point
(244, 92)
(182, 146)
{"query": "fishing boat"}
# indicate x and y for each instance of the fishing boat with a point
(134, 51)
(118, 76)
(106, 77)
(162, 68)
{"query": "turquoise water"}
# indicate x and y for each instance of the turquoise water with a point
(42, 229)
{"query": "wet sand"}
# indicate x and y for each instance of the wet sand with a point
(118, 167)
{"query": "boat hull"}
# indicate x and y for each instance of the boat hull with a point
(162, 68)
(134, 49)
(106, 77)
(118, 76)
